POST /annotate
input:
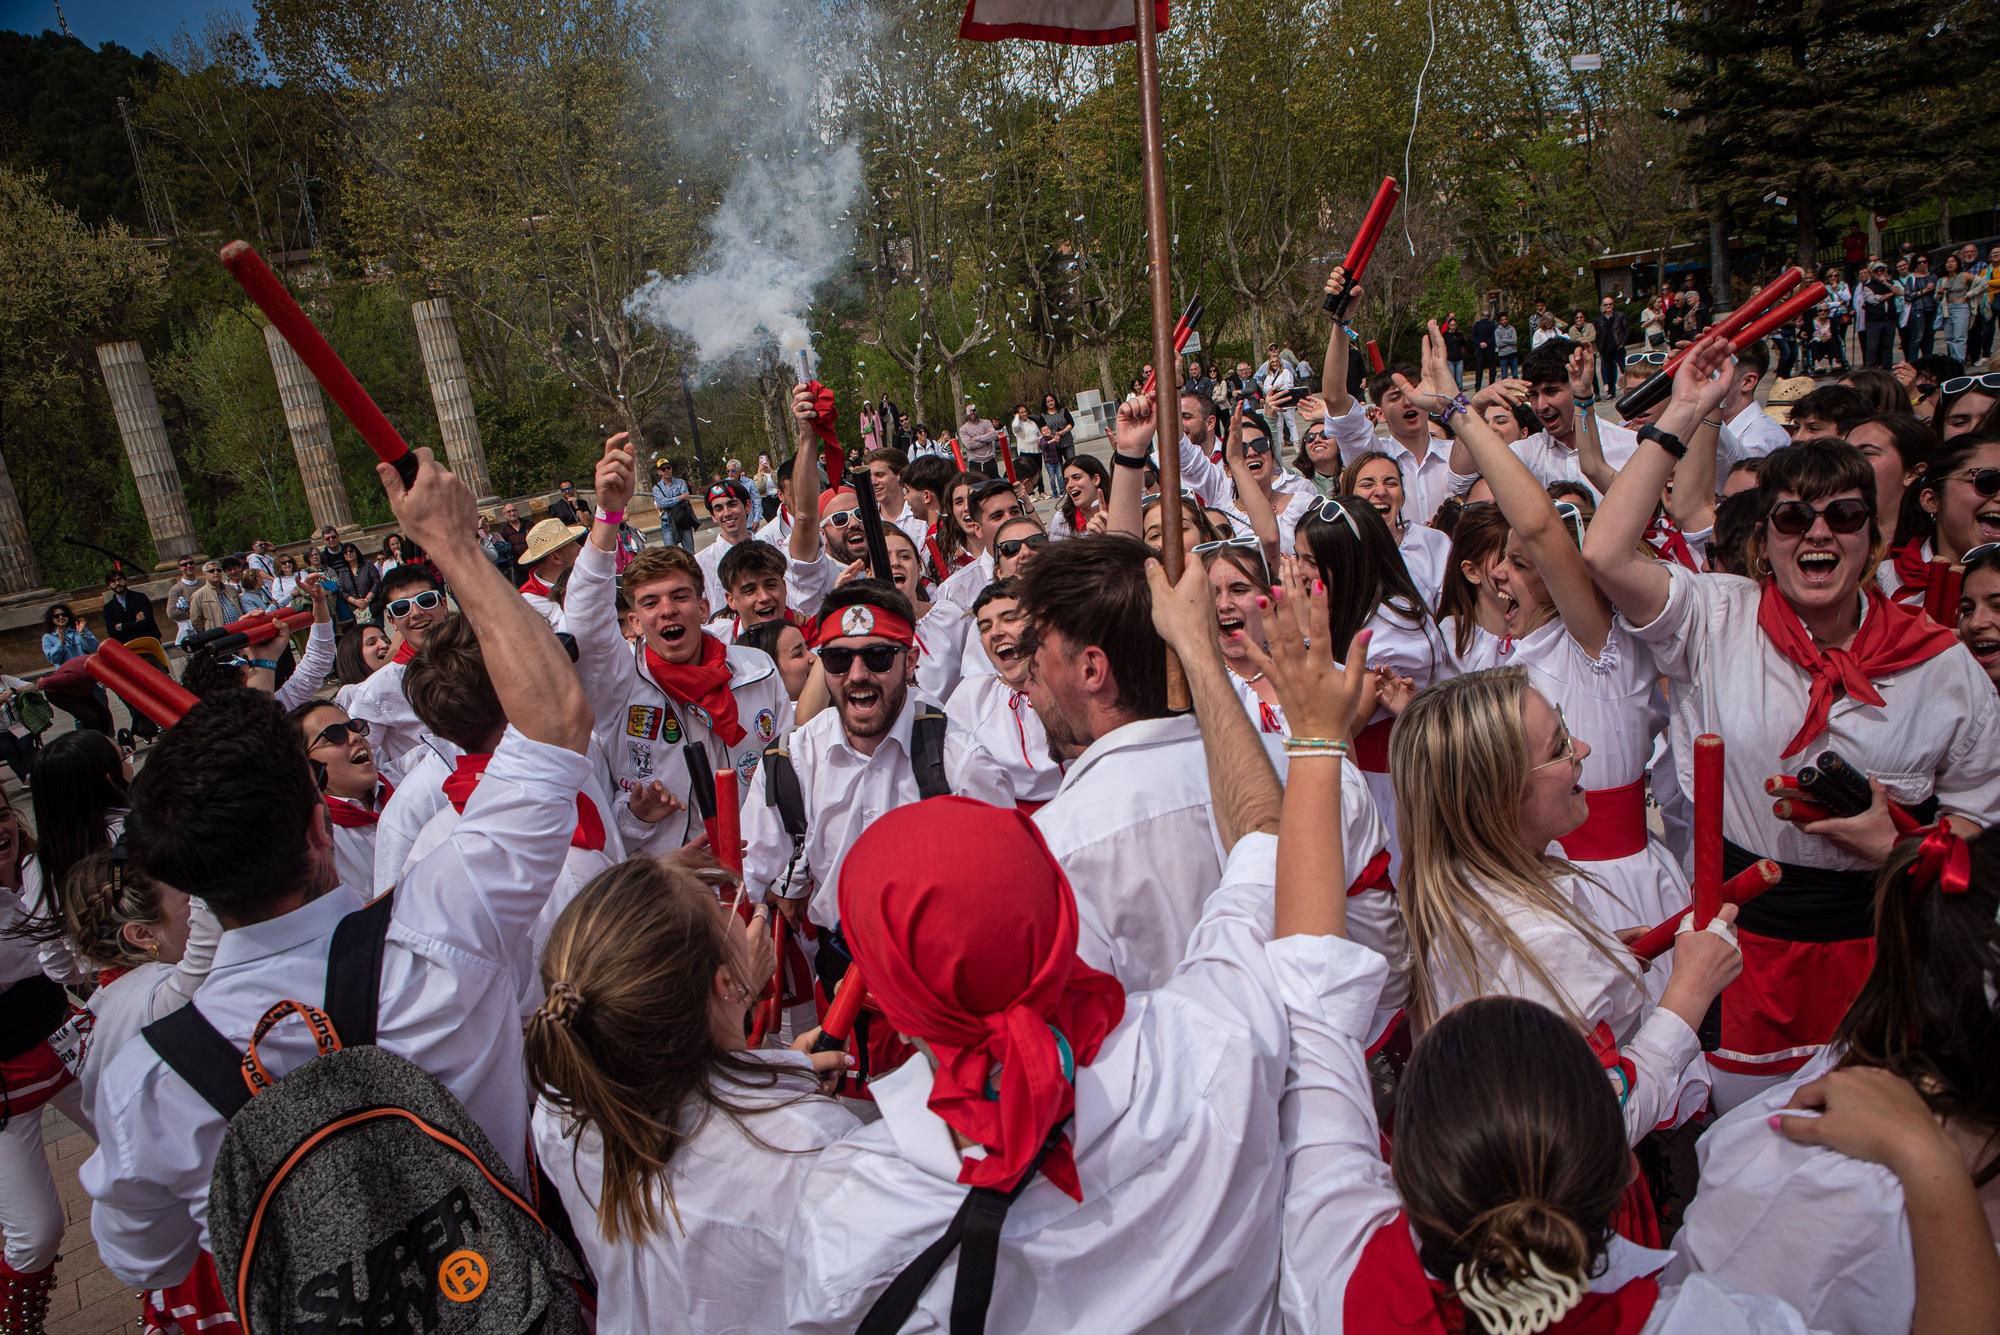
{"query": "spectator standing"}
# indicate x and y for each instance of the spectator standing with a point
(981, 442)
(1840, 311)
(564, 506)
(1026, 433)
(1454, 350)
(260, 558)
(355, 580)
(1955, 298)
(1614, 331)
(515, 534)
(64, 636)
(1653, 325)
(1921, 325)
(1199, 381)
(1582, 331)
(180, 599)
(252, 595)
(128, 613)
(765, 483)
(1854, 250)
(1985, 307)
(895, 431)
(285, 584)
(1485, 353)
(496, 548)
(1507, 347)
(672, 499)
(1058, 439)
(216, 602)
(1875, 305)
(871, 430)
(1275, 378)
(329, 548)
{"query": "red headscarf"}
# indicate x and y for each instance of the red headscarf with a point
(703, 683)
(965, 928)
(1892, 638)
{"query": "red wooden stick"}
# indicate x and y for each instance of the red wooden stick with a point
(1363, 247)
(1375, 362)
(725, 838)
(1755, 305)
(1783, 313)
(140, 684)
(247, 267)
(769, 1009)
(839, 1022)
(1741, 888)
(1708, 781)
(1183, 330)
(1659, 384)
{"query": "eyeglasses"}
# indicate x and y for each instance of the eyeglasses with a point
(839, 660)
(430, 600)
(1985, 481)
(1645, 359)
(1847, 515)
(1204, 548)
(1262, 444)
(1958, 384)
(1565, 745)
(58, 616)
(1034, 542)
(842, 518)
(336, 734)
(1330, 509)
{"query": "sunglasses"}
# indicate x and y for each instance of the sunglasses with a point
(1958, 384)
(1645, 359)
(1985, 481)
(336, 734)
(1847, 515)
(1034, 542)
(1331, 510)
(1979, 553)
(430, 600)
(839, 661)
(1573, 513)
(1262, 444)
(842, 518)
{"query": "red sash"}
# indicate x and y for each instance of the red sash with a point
(1374, 876)
(352, 815)
(1371, 747)
(1389, 1294)
(1616, 827)
(458, 786)
(535, 586)
(1788, 1000)
(703, 684)
(194, 1304)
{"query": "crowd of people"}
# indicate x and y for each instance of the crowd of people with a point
(1246, 951)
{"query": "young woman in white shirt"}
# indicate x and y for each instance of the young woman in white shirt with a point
(1834, 1235)
(1086, 484)
(1487, 778)
(1979, 610)
(1599, 677)
(1378, 480)
(679, 1153)
(1807, 658)
(1472, 615)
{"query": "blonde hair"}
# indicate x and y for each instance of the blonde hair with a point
(1459, 759)
(101, 895)
(623, 1042)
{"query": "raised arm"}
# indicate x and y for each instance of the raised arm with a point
(1251, 498)
(1525, 503)
(317, 662)
(1634, 581)
(1241, 782)
(1131, 437)
(531, 673)
(1692, 506)
(1333, 373)
(805, 540)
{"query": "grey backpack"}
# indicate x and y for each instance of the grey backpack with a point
(357, 1193)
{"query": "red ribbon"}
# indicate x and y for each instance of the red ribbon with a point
(822, 424)
(1943, 860)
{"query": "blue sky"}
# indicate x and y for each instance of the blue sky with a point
(138, 24)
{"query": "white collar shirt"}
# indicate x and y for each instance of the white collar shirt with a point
(709, 559)
(1552, 461)
(394, 730)
(416, 799)
(1178, 1153)
(1756, 435)
(948, 638)
(447, 1003)
(964, 584)
(913, 526)
(728, 1196)
(777, 530)
(1009, 730)
(846, 792)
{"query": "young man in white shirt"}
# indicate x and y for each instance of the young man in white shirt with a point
(412, 603)
(729, 507)
(1425, 460)
(994, 502)
(458, 922)
(1560, 376)
(995, 706)
(1748, 432)
(892, 499)
(678, 687)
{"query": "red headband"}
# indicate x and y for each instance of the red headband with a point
(859, 619)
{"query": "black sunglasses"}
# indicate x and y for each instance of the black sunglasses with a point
(336, 734)
(839, 660)
(1262, 444)
(430, 600)
(1033, 542)
(1985, 481)
(1958, 384)
(1847, 515)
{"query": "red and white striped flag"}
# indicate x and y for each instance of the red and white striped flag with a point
(1070, 22)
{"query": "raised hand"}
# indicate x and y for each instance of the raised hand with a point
(1318, 695)
(1312, 409)
(652, 803)
(1509, 392)
(1437, 367)
(1132, 434)
(1701, 378)
(1336, 283)
(437, 509)
(1582, 371)
(1183, 613)
(616, 477)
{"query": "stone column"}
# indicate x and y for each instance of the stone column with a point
(145, 434)
(444, 365)
(19, 571)
(311, 432)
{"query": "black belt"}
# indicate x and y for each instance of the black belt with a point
(1817, 904)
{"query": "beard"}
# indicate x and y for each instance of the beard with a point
(1066, 739)
(893, 698)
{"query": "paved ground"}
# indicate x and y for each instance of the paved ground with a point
(88, 1300)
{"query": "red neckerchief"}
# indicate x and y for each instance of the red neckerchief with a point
(1914, 571)
(1892, 638)
(404, 652)
(703, 684)
(458, 786)
(1389, 1294)
(352, 815)
(1669, 543)
(535, 585)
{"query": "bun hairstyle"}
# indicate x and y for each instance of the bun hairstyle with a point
(1930, 1009)
(100, 896)
(1512, 1199)
(623, 1045)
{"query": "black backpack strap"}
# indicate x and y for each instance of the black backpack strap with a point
(781, 790)
(927, 752)
(975, 1228)
(196, 1051)
(354, 971)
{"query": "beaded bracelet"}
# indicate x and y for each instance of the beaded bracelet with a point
(1315, 746)
(1458, 404)
(1590, 402)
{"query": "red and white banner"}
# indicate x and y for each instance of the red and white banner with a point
(1071, 22)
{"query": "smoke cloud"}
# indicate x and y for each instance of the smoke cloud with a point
(770, 84)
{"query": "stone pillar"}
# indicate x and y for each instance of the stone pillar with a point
(444, 365)
(19, 571)
(311, 432)
(145, 434)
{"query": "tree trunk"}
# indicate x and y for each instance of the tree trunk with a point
(1104, 382)
(1720, 301)
(916, 384)
(1808, 240)
(19, 571)
(957, 381)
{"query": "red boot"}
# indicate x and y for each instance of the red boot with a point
(24, 1299)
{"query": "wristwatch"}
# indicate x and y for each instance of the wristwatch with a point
(1128, 461)
(1667, 440)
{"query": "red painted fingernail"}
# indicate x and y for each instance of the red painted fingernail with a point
(1774, 1121)
(1319, 586)
(1263, 603)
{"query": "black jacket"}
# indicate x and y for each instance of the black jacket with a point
(129, 618)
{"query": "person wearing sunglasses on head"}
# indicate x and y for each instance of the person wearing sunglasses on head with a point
(1965, 402)
(1559, 626)
(1807, 657)
(1958, 509)
(354, 789)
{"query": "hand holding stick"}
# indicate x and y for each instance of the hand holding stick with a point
(1363, 246)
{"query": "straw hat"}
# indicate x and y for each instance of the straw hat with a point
(551, 535)
(1785, 393)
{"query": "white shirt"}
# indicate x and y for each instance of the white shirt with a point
(309, 674)
(448, 1004)
(643, 730)
(547, 608)
(1339, 1193)
(353, 854)
(948, 637)
(1008, 729)
(139, 996)
(734, 1185)
(410, 808)
(1427, 556)
(776, 530)
(1669, 1079)
(1552, 461)
(1176, 1138)
(913, 525)
(846, 792)
(709, 559)
(394, 729)
(1133, 828)
(1755, 434)
(1427, 481)
(964, 584)
(1826, 1233)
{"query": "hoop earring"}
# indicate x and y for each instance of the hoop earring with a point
(1763, 565)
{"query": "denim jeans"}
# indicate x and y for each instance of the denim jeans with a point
(1957, 320)
(1458, 374)
(1510, 366)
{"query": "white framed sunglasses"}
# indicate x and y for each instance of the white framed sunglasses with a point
(1332, 510)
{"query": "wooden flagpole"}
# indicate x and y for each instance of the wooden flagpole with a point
(1159, 242)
